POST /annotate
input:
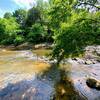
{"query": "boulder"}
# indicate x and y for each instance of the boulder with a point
(93, 83)
(88, 62)
(76, 59)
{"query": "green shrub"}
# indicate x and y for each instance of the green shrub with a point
(18, 40)
(36, 33)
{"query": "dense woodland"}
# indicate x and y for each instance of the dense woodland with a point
(70, 25)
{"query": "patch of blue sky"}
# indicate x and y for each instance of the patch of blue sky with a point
(12, 5)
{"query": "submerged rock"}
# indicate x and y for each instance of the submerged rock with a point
(93, 83)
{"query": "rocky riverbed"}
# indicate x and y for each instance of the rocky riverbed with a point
(27, 75)
(18, 76)
(79, 74)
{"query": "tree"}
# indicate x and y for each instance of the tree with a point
(7, 15)
(2, 29)
(73, 29)
(8, 30)
(33, 16)
(37, 33)
(60, 12)
(20, 16)
(38, 14)
(32, 25)
(89, 4)
(43, 7)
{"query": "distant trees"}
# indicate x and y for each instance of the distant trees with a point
(20, 16)
(26, 26)
(8, 30)
(37, 34)
(33, 16)
(37, 19)
(7, 15)
(38, 13)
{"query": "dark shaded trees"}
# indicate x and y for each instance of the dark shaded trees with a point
(7, 15)
(33, 16)
(20, 16)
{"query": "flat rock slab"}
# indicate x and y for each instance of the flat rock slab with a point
(79, 74)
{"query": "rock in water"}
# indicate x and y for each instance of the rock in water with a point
(88, 62)
(93, 83)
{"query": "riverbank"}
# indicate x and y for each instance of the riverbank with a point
(27, 46)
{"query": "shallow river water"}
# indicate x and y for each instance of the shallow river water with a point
(26, 76)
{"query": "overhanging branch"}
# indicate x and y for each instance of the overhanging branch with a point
(85, 3)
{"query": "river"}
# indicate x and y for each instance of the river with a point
(25, 75)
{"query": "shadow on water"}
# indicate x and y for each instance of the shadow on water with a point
(64, 89)
(27, 90)
(52, 84)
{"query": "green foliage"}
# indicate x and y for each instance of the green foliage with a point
(20, 16)
(38, 13)
(2, 29)
(18, 40)
(33, 16)
(59, 12)
(25, 26)
(43, 7)
(88, 4)
(8, 30)
(7, 15)
(36, 34)
(74, 29)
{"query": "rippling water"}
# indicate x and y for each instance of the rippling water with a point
(18, 77)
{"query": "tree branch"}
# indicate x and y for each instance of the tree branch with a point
(85, 3)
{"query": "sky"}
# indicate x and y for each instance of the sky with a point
(12, 5)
